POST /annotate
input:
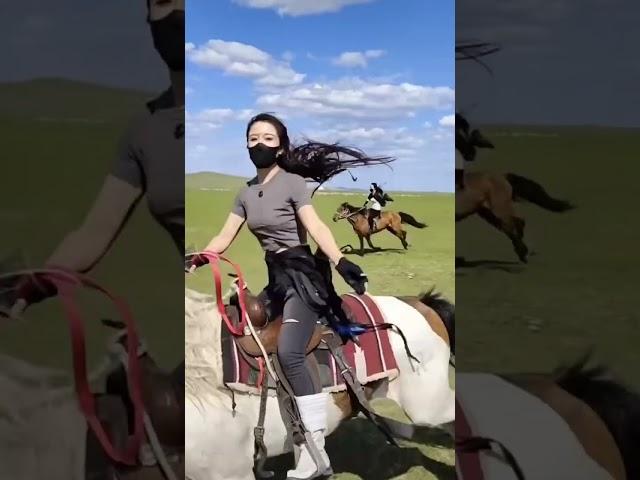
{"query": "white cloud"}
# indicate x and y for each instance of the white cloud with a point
(212, 119)
(356, 98)
(394, 142)
(357, 59)
(288, 56)
(427, 125)
(448, 121)
(240, 59)
(297, 8)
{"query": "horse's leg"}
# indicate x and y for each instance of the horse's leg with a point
(502, 206)
(422, 389)
(400, 233)
(361, 244)
(512, 226)
(368, 238)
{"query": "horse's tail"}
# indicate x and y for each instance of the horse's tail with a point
(614, 403)
(406, 218)
(526, 189)
(445, 310)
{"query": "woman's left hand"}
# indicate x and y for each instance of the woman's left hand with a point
(353, 275)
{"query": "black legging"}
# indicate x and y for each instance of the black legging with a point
(373, 214)
(298, 324)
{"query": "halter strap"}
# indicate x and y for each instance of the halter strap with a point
(66, 283)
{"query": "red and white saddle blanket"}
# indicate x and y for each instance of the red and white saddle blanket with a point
(372, 360)
(543, 445)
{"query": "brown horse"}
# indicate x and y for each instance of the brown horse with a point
(390, 221)
(491, 196)
(602, 414)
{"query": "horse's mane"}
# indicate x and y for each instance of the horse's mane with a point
(350, 207)
(203, 361)
(616, 404)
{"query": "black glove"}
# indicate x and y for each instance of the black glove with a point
(195, 261)
(353, 275)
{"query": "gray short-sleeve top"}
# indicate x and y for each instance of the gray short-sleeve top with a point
(271, 210)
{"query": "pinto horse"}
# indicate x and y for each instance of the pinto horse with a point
(577, 422)
(390, 221)
(220, 423)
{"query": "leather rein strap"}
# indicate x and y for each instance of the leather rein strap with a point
(67, 283)
(214, 260)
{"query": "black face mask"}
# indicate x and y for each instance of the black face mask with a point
(263, 156)
(168, 38)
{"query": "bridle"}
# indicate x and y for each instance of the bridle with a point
(342, 216)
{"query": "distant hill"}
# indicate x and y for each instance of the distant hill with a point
(61, 99)
(211, 180)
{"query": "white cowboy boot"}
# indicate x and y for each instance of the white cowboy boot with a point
(313, 412)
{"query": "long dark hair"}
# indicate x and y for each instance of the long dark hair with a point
(316, 160)
(474, 51)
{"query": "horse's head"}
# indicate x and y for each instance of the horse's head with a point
(343, 211)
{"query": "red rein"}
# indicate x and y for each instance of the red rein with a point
(66, 283)
(214, 259)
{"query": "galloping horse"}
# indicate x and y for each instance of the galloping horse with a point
(220, 424)
(577, 422)
(390, 221)
(491, 196)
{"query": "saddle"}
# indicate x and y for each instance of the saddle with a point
(268, 334)
(163, 404)
(268, 328)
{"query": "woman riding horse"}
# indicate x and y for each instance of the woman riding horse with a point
(276, 205)
(375, 202)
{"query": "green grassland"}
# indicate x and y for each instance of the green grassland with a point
(580, 288)
(59, 141)
(429, 261)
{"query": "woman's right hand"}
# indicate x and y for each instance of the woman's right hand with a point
(30, 289)
(194, 262)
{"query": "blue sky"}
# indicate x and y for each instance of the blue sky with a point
(375, 74)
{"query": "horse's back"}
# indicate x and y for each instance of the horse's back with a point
(541, 440)
(587, 426)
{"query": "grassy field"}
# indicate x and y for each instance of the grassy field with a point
(55, 159)
(580, 288)
(357, 448)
